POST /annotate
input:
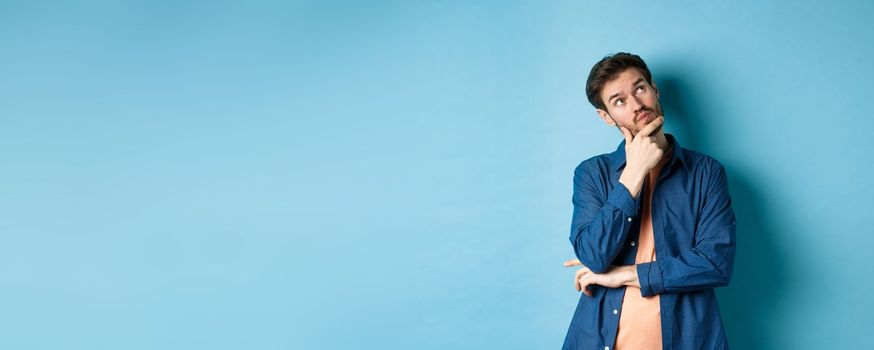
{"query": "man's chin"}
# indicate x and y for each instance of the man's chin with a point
(653, 133)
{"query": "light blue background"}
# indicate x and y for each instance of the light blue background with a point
(397, 175)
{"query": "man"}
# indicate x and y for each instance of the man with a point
(652, 227)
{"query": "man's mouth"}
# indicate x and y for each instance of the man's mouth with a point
(645, 117)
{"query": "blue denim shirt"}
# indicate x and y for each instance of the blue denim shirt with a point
(694, 233)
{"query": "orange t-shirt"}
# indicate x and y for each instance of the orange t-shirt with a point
(640, 324)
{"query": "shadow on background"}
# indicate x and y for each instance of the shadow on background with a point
(761, 275)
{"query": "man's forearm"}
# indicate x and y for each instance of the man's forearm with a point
(630, 274)
(632, 180)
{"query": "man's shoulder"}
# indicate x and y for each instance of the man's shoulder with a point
(704, 169)
(699, 161)
(596, 164)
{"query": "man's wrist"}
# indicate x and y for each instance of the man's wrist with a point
(631, 276)
(632, 180)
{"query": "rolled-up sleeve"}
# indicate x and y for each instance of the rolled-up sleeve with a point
(708, 264)
(601, 220)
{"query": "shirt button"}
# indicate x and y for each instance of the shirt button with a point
(632, 243)
(615, 311)
(606, 348)
(629, 219)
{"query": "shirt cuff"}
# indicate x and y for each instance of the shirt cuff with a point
(650, 277)
(621, 198)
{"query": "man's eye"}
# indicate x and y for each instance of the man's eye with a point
(640, 88)
(619, 102)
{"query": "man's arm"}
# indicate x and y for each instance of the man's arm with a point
(615, 277)
(708, 264)
(599, 228)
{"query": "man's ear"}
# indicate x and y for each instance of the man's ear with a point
(605, 116)
(656, 89)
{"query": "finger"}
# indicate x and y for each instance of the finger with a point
(584, 285)
(581, 272)
(627, 135)
(572, 262)
(648, 129)
(577, 280)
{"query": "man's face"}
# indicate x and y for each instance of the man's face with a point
(631, 101)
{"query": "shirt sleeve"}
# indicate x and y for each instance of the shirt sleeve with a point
(599, 227)
(708, 264)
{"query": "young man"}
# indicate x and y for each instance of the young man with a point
(652, 227)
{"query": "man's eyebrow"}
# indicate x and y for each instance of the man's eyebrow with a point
(637, 82)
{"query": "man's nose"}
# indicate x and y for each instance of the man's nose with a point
(636, 104)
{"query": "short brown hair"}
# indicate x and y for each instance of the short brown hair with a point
(607, 69)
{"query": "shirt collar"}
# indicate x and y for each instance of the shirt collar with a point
(617, 158)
